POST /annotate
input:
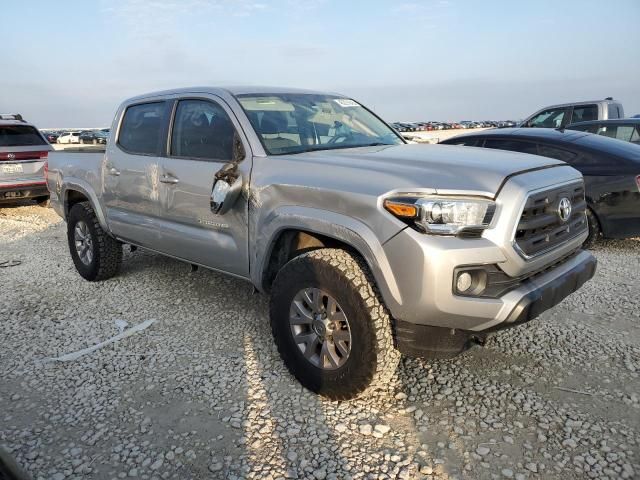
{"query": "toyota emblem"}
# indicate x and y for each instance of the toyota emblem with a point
(11, 156)
(564, 209)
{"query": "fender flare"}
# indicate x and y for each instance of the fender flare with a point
(330, 224)
(78, 185)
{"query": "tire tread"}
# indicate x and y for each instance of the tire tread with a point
(109, 251)
(356, 272)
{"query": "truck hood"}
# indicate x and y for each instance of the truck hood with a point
(440, 167)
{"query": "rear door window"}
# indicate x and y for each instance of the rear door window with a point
(142, 127)
(625, 132)
(512, 145)
(584, 113)
(467, 142)
(19, 136)
(557, 153)
(608, 131)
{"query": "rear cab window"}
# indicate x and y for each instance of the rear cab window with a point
(19, 136)
(142, 127)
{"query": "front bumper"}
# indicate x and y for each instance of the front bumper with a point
(536, 295)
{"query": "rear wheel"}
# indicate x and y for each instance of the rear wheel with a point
(330, 325)
(595, 231)
(96, 255)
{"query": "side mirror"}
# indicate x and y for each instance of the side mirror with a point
(225, 194)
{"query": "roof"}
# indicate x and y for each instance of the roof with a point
(590, 141)
(586, 102)
(23, 123)
(613, 121)
(545, 133)
(231, 90)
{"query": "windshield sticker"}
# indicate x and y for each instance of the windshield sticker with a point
(346, 102)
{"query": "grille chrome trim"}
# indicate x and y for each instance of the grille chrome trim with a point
(538, 221)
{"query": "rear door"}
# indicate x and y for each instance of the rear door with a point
(130, 174)
(205, 137)
(23, 153)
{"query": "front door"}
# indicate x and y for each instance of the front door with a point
(204, 139)
(130, 173)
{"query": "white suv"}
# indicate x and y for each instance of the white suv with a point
(69, 137)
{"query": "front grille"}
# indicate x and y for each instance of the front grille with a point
(541, 227)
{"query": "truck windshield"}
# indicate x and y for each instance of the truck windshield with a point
(295, 123)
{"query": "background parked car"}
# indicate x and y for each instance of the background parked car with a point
(69, 137)
(23, 154)
(611, 171)
(559, 116)
(627, 129)
(94, 136)
(51, 137)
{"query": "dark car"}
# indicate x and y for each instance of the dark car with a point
(51, 137)
(627, 129)
(611, 171)
(94, 136)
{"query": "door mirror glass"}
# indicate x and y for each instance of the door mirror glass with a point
(219, 194)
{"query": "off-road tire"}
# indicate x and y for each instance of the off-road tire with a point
(594, 230)
(373, 359)
(107, 251)
(43, 202)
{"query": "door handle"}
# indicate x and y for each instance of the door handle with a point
(169, 179)
(114, 171)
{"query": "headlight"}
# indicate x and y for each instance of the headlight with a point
(442, 215)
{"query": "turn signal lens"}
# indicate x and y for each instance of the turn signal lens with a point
(400, 209)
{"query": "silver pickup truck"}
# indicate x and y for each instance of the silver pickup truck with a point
(369, 247)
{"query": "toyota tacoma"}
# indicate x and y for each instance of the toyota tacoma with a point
(369, 247)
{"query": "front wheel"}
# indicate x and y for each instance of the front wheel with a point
(330, 325)
(96, 255)
(594, 230)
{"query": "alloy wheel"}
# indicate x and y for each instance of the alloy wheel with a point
(320, 328)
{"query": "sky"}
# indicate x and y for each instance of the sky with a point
(70, 63)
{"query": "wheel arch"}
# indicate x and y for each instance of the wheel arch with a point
(293, 231)
(591, 207)
(75, 191)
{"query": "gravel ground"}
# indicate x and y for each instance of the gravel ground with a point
(202, 393)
